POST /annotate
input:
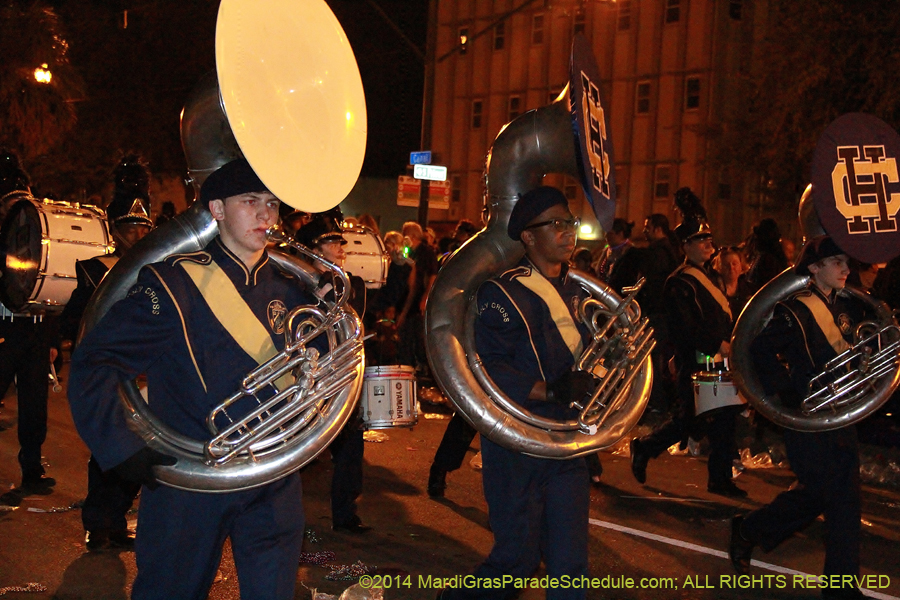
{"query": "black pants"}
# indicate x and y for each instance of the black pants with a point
(25, 356)
(454, 445)
(718, 425)
(827, 468)
(108, 500)
(346, 481)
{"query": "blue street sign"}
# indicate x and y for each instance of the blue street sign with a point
(420, 158)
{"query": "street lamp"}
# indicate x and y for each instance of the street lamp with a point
(42, 74)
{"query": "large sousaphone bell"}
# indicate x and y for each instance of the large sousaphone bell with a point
(854, 198)
(568, 136)
(288, 96)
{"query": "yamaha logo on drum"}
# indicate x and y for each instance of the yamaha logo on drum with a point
(398, 397)
(860, 178)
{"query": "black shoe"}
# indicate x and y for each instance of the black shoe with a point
(101, 540)
(437, 482)
(848, 593)
(639, 460)
(739, 548)
(353, 526)
(726, 488)
(38, 485)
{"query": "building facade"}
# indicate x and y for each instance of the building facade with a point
(675, 74)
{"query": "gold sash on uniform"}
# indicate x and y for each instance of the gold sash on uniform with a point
(713, 290)
(825, 321)
(559, 312)
(233, 313)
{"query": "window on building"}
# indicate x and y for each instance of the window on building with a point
(724, 191)
(735, 9)
(661, 181)
(673, 11)
(578, 23)
(455, 192)
(624, 16)
(463, 39)
(477, 113)
(499, 36)
(642, 103)
(515, 107)
(537, 29)
(692, 93)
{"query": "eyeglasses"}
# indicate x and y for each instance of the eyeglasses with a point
(560, 225)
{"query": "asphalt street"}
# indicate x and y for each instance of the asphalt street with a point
(664, 539)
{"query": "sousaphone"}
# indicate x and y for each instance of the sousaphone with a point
(569, 136)
(854, 197)
(288, 96)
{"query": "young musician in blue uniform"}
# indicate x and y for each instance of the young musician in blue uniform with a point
(807, 330)
(528, 339)
(167, 328)
(25, 353)
(110, 497)
(699, 321)
(324, 235)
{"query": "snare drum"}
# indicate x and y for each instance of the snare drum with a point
(43, 239)
(366, 256)
(714, 389)
(389, 397)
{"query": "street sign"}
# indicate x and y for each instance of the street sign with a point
(430, 172)
(420, 158)
(408, 190)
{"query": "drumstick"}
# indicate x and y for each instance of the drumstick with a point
(56, 387)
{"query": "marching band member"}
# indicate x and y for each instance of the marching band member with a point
(528, 339)
(324, 235)
(196, 324)
(25, 355)
(700, 323)
(110, 497)
(807, 330)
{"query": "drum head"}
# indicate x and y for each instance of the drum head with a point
(20, 237)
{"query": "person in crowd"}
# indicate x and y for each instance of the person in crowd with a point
(618, 244)
(109, 496)
(887, 284)
(581, 260)
(862, 275)
(324, 236)
(808, 329)
(168, 329)
(700, 323)
(411, 321)
(790, 250)
(166, 214)
(465, 229)
(727, 266)
(767, 258)
(528, 338)
(430, 237)
(26, 351)
(383, 348)
(367, 220)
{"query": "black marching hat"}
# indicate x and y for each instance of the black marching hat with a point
(231, 179)
(817, 249)
(131, 200)
(530, 205)
(13, 177)
(322, 227)
(694, 225)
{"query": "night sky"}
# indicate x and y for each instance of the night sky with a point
(136, 79)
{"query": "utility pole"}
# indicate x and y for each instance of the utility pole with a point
(427, 105)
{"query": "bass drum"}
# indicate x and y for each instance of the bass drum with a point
(42, 240)
(366, 256)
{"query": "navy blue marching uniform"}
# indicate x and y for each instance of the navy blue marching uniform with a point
(699, 320)
(166, 329)
(526, 333)
(807, 330)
